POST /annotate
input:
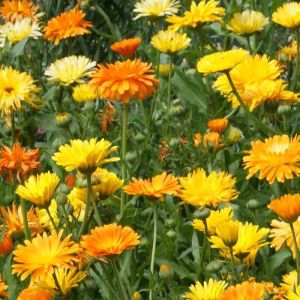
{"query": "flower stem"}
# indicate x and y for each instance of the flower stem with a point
(153, 250)
(249, 44)
(97, 214)
(169, 92)
(297, 252)
(51, 219)
(13, 128)
(119, 282)
(25, 220)
(234, 266)
(294, 84)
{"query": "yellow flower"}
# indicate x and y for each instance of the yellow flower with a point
(287, 15)
(39, 189)
(42, 254)
(169, 41)
(44, 218)
(198, 189)
(226, 236)
(294, 294)
(77, 198)
(290, 51)
(289, 281)
(215, 219)
(70, 69)
(85, 156)
(165, 69)
(278, 157)
(84, 93)
(199, 14)
(15, 88)
(247, 22)
(155, 8)
(221, 61)
(210, 290)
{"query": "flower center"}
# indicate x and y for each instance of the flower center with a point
(8, 89)
(278, 148)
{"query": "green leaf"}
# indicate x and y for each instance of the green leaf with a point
(18, 49)
(278, 258)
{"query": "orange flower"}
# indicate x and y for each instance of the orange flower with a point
(67, 24)
(126, 47)
(157, 186)
(16, 10)
(246, 291)
(17, 161)
(124, 80)
(6, 245)
(107, 117)
(108, 240)
(287, 207)
(35, 293)
(218, 125)
(197, 139)
(212, 139)
(70, 181)
(3, 288)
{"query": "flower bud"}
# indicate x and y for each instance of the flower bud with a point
(136, 296)
(202, 214)
(234, 135)
(284, 109)
(170, 222)
(63, 119)
(166, 272)
(6, 245)
(214, 266)
(81, 183)
(253, 204)
(61, 198)
(171, 234)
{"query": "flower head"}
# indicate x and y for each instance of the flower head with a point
(77, 198)
(39, 189)
(155, 8)
(289, 281)
(212, 139)
(36, 292)
(197, 139)
(70, 69)
(218, 125)
(210, 290)
(109, 240)
(67, 24)
(287, 15)
(127, 47)
(170, 41)
(278, 157)
(201, 190)
(84, 93)
(6, 245)
(85, 156)
(290, 51)
(221, 61)
(156, 187)
(3, 288)
(124, 80)
(247, 22)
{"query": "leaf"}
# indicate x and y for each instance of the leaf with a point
(278, 258)
(18, 49)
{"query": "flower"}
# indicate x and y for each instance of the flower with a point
(15, 88)
(39, 189)
(36, 293)
(201, 190)
(226, 236)
(294, 294)
(40, 256)
(246, 291)
(109, 240)
(85, 155)
(126, 47)
(290, 51)
(247, 22)
(44, 218)
(278, 157)
(155, 8)
(210, 290)
(3, 288)
(16, 10)
(169, 41)
(137, 296)
(199, 14)
(212, 139)
(156, 187)
(197, 139)
(287, 15)
(289, 281)
(70, 69)
(18, 162)
(221, 61)
(77, 198)
(218, 125)
(215, 219)
(165, 69)
(287, 207)
(84, 93)
(67, 24)
(234, 135)
(107, 117)
(124, 80)
(6, 245)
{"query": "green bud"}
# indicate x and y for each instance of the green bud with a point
(202, 214)
(284, 109)
(139, 137)
(63, 188)
(170, 222)
(253, 204)
(81, 183)
(214, 266)
(63, 119)
(61, 198)
(165, 272)
(171, 234)
(131, 156)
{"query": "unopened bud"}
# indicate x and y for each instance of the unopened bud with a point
(166, 272)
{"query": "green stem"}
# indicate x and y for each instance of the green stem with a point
(13, 128)
(169, 90)
(234, 266)
(97, 214)
(294, 84)
(25, 220)
(119, 282)
(153, 250)
(51, 219)
(249, 44)
(297, 252)
(123, 153)
(57, 283)
(264, 128)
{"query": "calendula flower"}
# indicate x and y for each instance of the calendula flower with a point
(155, 8)
(16, 10)
(109, 240)
(137, 296)
(40, 256)
(234, 135)
(218, 125)
(44, 218)
(6, 245)
(276, 157)
(84, 93)
(197, 139)
(289, 281)
(290, 51)
(294, 294)
(199, 14)
(38, 189)
(226, 236)
(210, 290)
(124, 80)
(201, 190)
(107, 117)
(18, 162)
(85, 156)
(77, 198)
(170, 41)
(165, 69)
(221, 61)
(287, 15)
(127, 47)
(212, 139)
(67, 24)
(70, 69)
(16, 88)
(155, 187)
(3, 288)
(36, 292)
(14, 220)
(246, 291)
(247, 22)
(215, 219)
